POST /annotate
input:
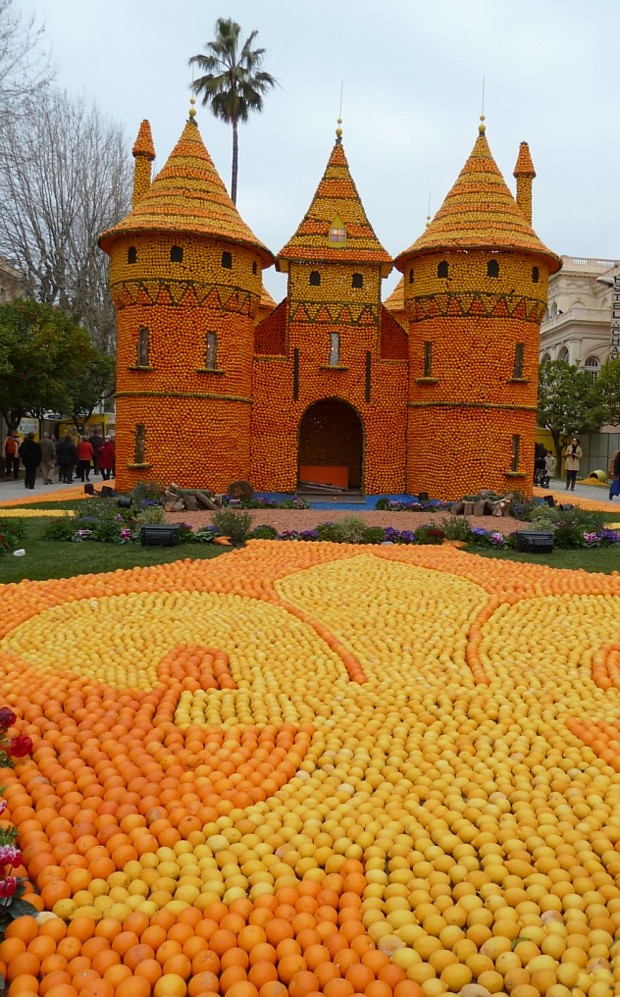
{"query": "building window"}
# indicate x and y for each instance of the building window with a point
(254, 268)
(337, 232)
(427, 369)
(442, 269)
(334, 349)
(143, 347)
(357, 280)
(132, 254)
(516, 446)
(492, 268)
(517, 370)
(535, 275)
(227, 261)
(563, 354)
(176, 254)
(411, 276)
(315, 278)
(140, 443)
(211, 352)
(592, 366)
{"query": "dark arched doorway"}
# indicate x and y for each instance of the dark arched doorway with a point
(331, 444)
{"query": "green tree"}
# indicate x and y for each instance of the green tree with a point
(607, 390)
(95, 385)
(567, 402)
(42, 352)
(233, 83)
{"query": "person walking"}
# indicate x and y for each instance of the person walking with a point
(30, 453)
(96, 442)
(48, 458)
(11, 455)
(550, 465)
(572, 459)
(66, 456)
(84, 456)
(615, 485)
(106, 458)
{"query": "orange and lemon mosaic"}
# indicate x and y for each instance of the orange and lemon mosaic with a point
(301, 769)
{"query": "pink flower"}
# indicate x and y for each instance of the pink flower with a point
(3, 806)
(20, 746)
(8, 886)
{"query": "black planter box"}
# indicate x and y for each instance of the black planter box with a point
(160, 534)
(535, 541)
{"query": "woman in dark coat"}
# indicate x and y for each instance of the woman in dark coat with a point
(66, 455)
(30, 453)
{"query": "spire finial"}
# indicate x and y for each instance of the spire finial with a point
(482, 127)
(192, 112)
(428, 215)
(339, 122)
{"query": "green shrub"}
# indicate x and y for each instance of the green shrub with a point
(60, 529)
(430, 533)
(12, 533)
(350, 530)
(233, 523)
(203, 535)
(373, 535)
(150, 491)
(327, 531)
(264, 532)
(456, 528)
(151, 514)
(383, 503)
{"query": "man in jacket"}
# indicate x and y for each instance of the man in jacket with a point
(48, 458)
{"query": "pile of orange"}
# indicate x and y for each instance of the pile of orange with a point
(315, 769)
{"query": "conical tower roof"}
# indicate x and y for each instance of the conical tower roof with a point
(480, 212)
(335, 205)
(188, 195)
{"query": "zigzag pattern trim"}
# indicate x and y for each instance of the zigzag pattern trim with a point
(333, 312)
(464, 304)
(184, 293)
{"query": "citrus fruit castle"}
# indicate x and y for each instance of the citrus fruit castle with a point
(432, 391)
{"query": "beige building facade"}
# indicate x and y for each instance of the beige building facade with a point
(10, 282)
(578, 323)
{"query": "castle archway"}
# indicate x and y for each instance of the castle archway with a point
(331, 445)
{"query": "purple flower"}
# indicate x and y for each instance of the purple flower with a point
(7, 718)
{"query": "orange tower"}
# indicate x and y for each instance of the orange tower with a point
(330, 371)
(475, 291)
(185, 277)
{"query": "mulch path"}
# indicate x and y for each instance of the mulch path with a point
(306, 519)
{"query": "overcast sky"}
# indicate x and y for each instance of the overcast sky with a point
(412, 73)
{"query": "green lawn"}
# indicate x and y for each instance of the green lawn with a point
(603, 559)
(46, 559)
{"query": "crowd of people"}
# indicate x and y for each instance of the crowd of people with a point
(73, 458)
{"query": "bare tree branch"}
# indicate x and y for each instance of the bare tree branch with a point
(64, 178)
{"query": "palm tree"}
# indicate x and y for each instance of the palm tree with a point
(233, 82)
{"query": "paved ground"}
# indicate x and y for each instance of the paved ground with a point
(11, 490)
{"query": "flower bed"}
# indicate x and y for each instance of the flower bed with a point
(330, 769)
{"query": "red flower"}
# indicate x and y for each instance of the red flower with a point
(8, 886)
(20, 746)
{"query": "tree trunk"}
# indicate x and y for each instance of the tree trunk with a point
(235, 162)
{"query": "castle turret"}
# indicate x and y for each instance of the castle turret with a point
(338, 397)
(143, 153)
(185, 277)
(524, 174)
(475, 286)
